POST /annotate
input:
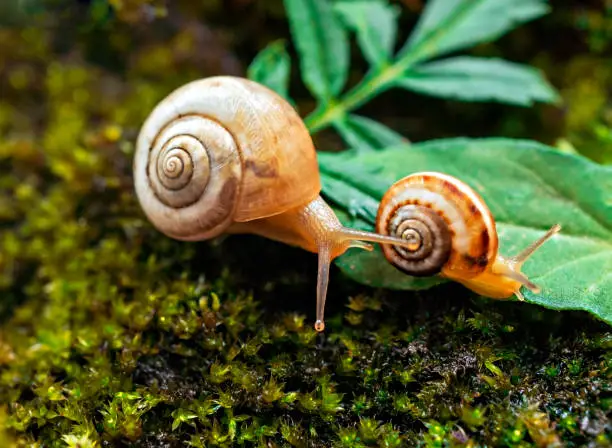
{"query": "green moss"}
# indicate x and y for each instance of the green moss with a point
(114, 334)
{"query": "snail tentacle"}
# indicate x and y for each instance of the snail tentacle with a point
(511, 267)
(520, 258)
(322, 283)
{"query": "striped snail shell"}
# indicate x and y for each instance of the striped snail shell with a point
(448, 222)
(453, 234)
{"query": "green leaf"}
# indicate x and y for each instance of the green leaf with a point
(375, 23)
(451, 25)
(322, 45)
(364, 134)
(479, 79)
(528, 186)
(271, 67)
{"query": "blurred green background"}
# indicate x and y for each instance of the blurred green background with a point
(135, 37)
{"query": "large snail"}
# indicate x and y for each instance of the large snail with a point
(228, 155)
(453, 234)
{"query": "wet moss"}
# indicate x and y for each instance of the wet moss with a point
(114, 335)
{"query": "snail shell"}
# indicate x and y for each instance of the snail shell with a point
(448, 222)
(222, 150)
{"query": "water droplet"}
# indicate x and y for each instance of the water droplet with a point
(319, 325)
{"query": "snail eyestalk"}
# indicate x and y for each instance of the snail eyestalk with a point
(527, 252)
(322, 282)
(356, 237)
(511, 267)
(504, 279)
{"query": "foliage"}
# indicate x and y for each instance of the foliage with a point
(114, 335)
(356, 183)
(320, 29)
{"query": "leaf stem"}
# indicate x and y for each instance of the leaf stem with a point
(375, 82)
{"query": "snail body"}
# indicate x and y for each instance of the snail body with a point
(226, 155)
(453, 234)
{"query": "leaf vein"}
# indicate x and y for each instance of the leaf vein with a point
(574, 261)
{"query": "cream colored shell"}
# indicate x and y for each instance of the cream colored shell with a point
(222, 150)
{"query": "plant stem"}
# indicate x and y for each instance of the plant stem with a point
(374, 82)
(381, 78)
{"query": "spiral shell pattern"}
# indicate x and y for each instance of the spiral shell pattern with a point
(193, 172)
(449, 223)
(219, 151)
(180, 170)
(429, 234)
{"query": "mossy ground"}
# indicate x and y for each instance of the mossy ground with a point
(114, 335)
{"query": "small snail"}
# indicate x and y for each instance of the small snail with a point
(452, 233)
(228, 155)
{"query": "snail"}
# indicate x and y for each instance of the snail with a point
(453, 234)
(226, 155)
